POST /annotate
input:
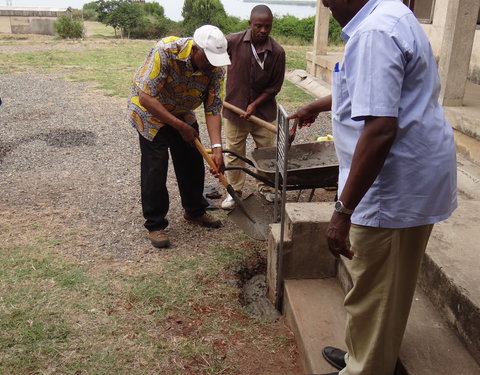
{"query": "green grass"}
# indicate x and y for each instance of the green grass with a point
(98, 30)
(292, 97)
(296, 56)
(111, 67)
(112, 64)
(60, 316)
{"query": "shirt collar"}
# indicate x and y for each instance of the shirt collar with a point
(355, 22)
(248, 38)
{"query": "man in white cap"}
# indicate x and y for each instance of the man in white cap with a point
(177, 76)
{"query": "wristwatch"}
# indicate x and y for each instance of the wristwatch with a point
(339, 207)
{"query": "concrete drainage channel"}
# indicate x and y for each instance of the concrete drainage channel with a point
(253, 294)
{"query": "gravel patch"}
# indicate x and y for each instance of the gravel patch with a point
(70, 162)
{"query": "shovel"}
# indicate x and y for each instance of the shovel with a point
(222, 178)
(260, 210)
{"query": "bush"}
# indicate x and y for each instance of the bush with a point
(151, 27)
(334, 32)
(69, 27)
(89, 15)
(294, 29)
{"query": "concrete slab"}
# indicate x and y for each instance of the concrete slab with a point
(430, 346)
(314, 311)
(301, 259)
(468, 178)
(450, 272)
(309, 83)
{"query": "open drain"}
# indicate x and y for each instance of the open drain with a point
(253, 293)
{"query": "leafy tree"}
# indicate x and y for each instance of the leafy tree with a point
(92, 5)
(334, 32)
(306, 28)
(69, 27)
(291, 26)
(154, 8)
(90, 11)
(123, 15)
(196, 13)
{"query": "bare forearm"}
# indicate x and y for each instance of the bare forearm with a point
(214, 127)
(309, 112)
(322, 104)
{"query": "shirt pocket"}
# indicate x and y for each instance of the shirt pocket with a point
(339, 92)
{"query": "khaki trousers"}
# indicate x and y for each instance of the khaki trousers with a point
(236, 134)
(384, 271)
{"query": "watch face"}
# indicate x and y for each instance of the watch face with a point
(338, 205)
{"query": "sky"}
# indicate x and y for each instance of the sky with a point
(173, 8)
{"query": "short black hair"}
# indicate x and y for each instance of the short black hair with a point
(261, 10)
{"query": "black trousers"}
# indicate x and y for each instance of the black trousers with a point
(189, 170)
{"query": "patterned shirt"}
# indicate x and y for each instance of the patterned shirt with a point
(168, 75)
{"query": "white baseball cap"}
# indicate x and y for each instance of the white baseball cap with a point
(213, 43)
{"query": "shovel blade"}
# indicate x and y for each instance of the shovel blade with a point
(262, 213)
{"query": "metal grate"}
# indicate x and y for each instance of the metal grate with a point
(281, 193)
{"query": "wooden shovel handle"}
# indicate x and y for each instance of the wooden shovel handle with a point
(252, 118)
(210, 161)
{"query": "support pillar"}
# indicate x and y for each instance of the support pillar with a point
(320, 39)
(456, 50)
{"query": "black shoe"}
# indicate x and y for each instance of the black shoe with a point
(334, 356)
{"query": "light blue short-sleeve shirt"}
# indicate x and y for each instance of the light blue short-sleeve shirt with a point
(389, 70)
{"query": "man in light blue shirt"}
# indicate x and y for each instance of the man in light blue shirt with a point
(397, 175)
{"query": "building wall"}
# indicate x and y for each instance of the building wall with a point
(5, 25)
(435, 32)
(475, 61)
(28, 21)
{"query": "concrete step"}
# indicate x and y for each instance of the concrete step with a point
(450, 273)
(314, 311)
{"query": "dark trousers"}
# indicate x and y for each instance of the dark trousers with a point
(189, 170)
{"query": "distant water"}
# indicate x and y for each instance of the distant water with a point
(238, 8)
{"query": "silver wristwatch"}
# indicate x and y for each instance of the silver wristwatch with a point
(339, 207)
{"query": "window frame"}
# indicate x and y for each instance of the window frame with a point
(411, 5)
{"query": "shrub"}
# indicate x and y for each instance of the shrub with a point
(89, 15)
(292, 28)
(334, 32)
(68, 27)
(151, 27)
